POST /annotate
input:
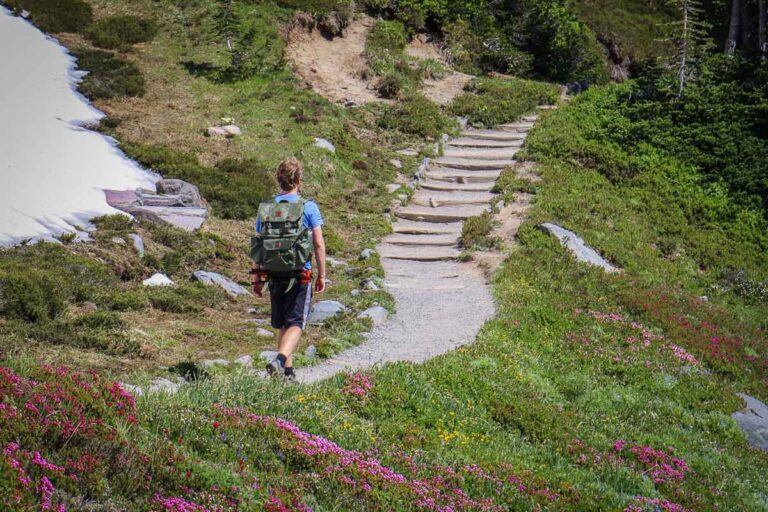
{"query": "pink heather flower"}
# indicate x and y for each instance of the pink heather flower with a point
(38, 460)
(10, 449)
(683, 355)
(45, 489)
(179, 505)
(619, 445)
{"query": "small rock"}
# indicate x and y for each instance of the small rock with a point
(25, 14)
(209, 363)
(117, 240)
(212, 278)
(369, 285)
(325, 310)
(355, 293)
(335, 263)
(232, 130)
(704, 298)
(134, 390)
(366, 253)
(216, 131)
(158, 280)
(462, 122)
(251, 311)
(351, 104)
(376, 313)
(402, 197)
(268, 355)
(325, 144)
(393, 187)
(397, 164)
(187, 193)
(407, 152)
(311, 351)
(245, 361)
(138, 244)
(753, 421)
(161, 385)
(264, 333)
(89, 307)
(445, 138)
(227, 131)
(412, 184)
(423, 38)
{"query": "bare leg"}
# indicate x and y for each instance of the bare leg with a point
(288, 340)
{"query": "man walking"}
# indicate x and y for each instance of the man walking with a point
(288, 232)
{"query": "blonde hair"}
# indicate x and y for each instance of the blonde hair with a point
(289, 173)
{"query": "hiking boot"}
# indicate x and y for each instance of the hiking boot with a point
(290, 378)
(275, 368)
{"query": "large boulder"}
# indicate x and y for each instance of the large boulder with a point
(753, 420)
(577, 246)
(212, 278)
(188, 194)
(138, 244)
(161, 385)
(325, 310)
(158, 280)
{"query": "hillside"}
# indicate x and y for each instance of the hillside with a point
(582, 390)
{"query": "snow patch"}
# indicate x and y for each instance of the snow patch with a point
(53, 171)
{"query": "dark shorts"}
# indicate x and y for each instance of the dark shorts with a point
(289, 308)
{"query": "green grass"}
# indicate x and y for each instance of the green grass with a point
(491, 101)
(108, 76)
(121, 32)
(56, 15)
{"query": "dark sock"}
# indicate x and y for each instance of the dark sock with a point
(281, 358)
(289, 371)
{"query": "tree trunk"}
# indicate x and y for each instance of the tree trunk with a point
(761, 28)
(734, 27)
(682, 71)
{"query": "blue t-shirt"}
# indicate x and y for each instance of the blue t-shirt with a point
(312, 217)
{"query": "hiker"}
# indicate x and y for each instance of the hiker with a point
(288, 233)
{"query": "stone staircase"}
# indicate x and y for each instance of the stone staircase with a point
(441, 302)
(455, 186)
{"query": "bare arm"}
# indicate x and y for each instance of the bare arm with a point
(319, 242)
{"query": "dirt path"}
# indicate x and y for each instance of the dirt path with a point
(334, 68)
(441, 303)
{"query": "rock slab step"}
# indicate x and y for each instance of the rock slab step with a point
(753, 421)
(214, 279)
(577, 246)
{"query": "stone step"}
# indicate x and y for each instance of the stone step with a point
(481, 153)
(417, 253)
(445, 185)
(498, 135)
(471, 142)
(530, 119)
(432, 198)
(470, 163)
(410, 227)
(440, 214)
(523, 128)
(547, 107)
(432, 240)
(463, 175)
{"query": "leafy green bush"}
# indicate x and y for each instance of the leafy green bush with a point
(102, 331)
(108, 76)
(390, 85)
(476, 232)
(491, 101)
(30, 295)
(120, 32)
(386, 36)
(116, 223)
(185, 298)
(56, 15)
(416, 115)
(432, 69)
(129, 300)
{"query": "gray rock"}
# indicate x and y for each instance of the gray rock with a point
(577, 246)
(251, 311)
(134, 390)
(366, 253)
(25, 14)
(89, 307)
(227, 131)
(212, 278)
(369, 285)
(161, 385)
(355, 293)
(336, 263)
(138, 244)
(188, 194)
(351, 104)
(158, 280)
(407, 152)
(117, 240)
(264, 333)
(393, 187)
(397, 164)
(245, 361)
(325, 144)
(268, 355)
(209, 363)
(325, 310)
(462, 121)
(376, 313)
(704, 298)
(311, 351)
(753, 421)
(402, 197)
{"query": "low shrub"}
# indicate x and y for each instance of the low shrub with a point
(30, 295)
(417, 115)
(56, 15)
(390, 86)
(432, 69)
(386, 36)
(185, 298)
(120, 32)
(117, 223)
(108, 76)
(476, 232)
(102, 331)
(491, 101)
(129, 300)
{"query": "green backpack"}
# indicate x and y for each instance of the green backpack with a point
(285, 245)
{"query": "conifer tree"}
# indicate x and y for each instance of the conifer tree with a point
(689, 34)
